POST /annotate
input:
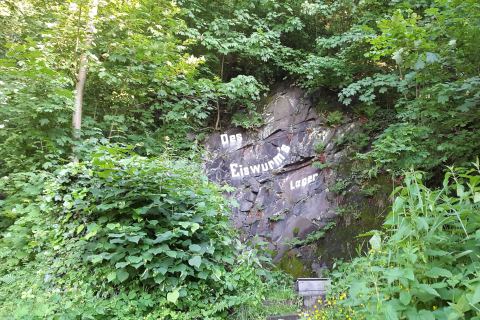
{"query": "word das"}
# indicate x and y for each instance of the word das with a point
(232, 140)
(239, 171)
(303, 182)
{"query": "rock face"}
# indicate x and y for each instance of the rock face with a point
(280, 195)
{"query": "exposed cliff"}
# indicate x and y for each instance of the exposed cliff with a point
(282, 197)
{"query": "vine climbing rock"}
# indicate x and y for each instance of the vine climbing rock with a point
(280, 195)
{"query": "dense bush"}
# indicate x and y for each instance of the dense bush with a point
(425, 264)
(149, 234)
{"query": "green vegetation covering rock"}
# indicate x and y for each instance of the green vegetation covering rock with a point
(424, 263)
(127, 236)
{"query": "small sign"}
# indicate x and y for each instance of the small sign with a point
(308, 287)
(289, 317)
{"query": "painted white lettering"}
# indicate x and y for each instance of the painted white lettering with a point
(255, 169)
(239, 137)
(233, 170)
(231, 140)
(264, 167)
(304, 182)
(278, 159)
(271, 164)
(285, 149)
(246, 171)
(224, 139)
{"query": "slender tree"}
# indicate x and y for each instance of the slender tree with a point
(82, 70)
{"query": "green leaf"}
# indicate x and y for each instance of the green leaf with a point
(398, 204)
(195, 227)
(92, 230)
(428, 289)
(420, 64)
(393, 274)
(173, 296)
(476, 197)
(111, 276)
(412, 314)
(120, 265)
(405, 297)
(196, 261)
(431, 57)
(122, 275)
(134, 239)
(134, 259)
(163, 237)
(96, 258)
(80, 228)
(376, 242)
(390, 312)
(436, 272)
(426, 315)
(44, 122)
(195, 248)
(476, 295)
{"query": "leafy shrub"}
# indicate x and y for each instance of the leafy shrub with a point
(334, 118)
(320, 165)
(340, 186)
(158, 220)
(152, 235)
(248, 120)
(350, 209)
(319, 147)
(17, 193)
(370, 190)
(426, 262)
(311, 237)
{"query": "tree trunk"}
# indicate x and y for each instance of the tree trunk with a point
(217, 123)
(82, 71)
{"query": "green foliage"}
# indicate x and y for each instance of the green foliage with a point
(127, 236)
(134, 233)
(281, 300)
(17, 194)
(319, 147)
(370, 191)
(340, 186)
(349, 209)
(334, 118)
(438, 85)
(311, 237)
(241, 92)
(143, 83)
(150, 219)
(425, 263)
(320, 165)
(276, 217)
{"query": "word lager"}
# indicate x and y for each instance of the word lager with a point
(303, 182)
